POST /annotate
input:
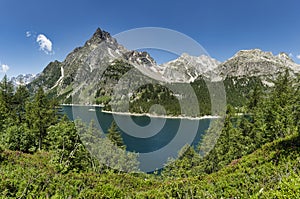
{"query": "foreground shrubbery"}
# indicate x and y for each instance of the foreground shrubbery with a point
(272, 171)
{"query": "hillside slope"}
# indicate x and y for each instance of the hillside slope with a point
(270, 172)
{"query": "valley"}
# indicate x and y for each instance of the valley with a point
(108, 122)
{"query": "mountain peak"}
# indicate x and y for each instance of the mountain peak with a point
(284, 56)
(22, 79)
(101, 34)
(253, 53)
(185, 55)
(187, 68)
(98, 37)
(140, 58)
(255, 62)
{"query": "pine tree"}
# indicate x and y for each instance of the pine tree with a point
(40, 114)
(7, 90)
(114, 135)
(274, 117)
(20, 99)
(279, 109)
(65, 142)
(19, 137)
(297, 104)
(254, 98)
(6, 95)
(4, 113)
(106, 152)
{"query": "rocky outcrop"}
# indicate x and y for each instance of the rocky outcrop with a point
(257, 63)
(188, 68)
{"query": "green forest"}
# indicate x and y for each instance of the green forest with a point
(45, 155)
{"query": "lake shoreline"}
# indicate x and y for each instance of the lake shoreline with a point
(146, 114)
(162, 116)
(92, 105)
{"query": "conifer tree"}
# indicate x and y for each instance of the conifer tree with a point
(254, 98)
(20, 99)
(114, 135)
(6, 95)
(40, 114)
(7, 91)
(68, 149)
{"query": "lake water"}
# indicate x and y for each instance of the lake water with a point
(174, 133)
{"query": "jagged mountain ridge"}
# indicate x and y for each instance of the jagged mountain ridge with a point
(82, 73)
(22, 79)
(85, 65)
(256, 62)
(188, 68)
(245, 63)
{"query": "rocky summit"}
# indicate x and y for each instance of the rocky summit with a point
(257, 63)
(188, 68)
(83, 70)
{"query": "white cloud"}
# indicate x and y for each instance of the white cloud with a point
(44, 43)
(298, 56)
(291, 55)
(28, 34)
(4, 68)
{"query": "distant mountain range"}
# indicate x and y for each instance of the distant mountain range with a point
(22, 79)
(92, 71)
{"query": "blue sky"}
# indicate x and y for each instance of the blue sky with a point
(221, 27)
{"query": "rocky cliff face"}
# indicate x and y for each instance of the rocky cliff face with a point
(83, 71)
(257, 63)
(245, 63)
(188, 68)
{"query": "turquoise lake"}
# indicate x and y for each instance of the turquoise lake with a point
(150, 141)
